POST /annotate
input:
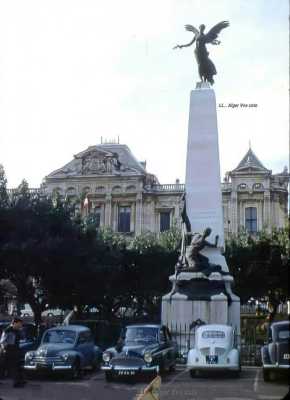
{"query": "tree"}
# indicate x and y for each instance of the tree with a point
(39, 247)
(4, 199)
(260, 266)
(133, 271)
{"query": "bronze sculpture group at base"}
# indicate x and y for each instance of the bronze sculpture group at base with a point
(191, 259)
(206, 67)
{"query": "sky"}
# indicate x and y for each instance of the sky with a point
(72, 72)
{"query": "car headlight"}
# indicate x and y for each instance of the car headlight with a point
(29, 356)
(148, 357)
(65, 356)
(107, 356)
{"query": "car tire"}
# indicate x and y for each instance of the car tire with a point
(75, 372)
(192, 373)
(96, 365)
(172, 367)
(109, 376)
(236, 374)
(266, 375)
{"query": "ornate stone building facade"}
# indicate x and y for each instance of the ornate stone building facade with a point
(254, 198)
(116, 188)
(107, 182)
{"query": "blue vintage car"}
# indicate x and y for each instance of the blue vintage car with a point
(69, 349)
(142, 349)
(276, 353)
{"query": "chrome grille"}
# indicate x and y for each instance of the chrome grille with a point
(127, 362)
(219, 351)
(205, 351)
(48, 360)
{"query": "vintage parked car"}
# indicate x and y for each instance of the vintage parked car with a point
(216, 348)
(276, 352)
(69, 349)
(142, 349)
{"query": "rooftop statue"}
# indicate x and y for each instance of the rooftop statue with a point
(206, 67)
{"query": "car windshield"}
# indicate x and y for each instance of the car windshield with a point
(283, 334)
(213, 335)
(141, 334)
(59, 336)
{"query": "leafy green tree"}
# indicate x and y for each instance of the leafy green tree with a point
(4, 199)
(260, 266)
(39, 248)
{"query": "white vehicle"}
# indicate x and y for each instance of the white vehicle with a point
(53, 312)
(26, 311)
(216, 348)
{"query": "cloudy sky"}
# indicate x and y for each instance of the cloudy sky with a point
(72, 72)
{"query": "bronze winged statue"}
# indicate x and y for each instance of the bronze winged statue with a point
(206, 67)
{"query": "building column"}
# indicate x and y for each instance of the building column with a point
(115, 215)
(108, 210)
(234, 213)
(138, 224)
(267, 211)
(133, 218)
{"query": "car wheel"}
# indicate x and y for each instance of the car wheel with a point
(236, 374)
(192, 373)
(75, 372)
(172, 367)
(109, 376)
(266, 375)
(161, 368)
(95, 365)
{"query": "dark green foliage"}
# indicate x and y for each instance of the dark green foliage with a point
(260, 265)
(3, 189)
(55, 260)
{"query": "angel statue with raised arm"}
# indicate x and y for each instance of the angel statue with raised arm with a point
(206, 67)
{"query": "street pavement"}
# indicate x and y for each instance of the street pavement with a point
(177, 386)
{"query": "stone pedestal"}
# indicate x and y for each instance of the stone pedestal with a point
(195, 296)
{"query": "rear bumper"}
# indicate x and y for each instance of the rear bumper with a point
(276, 366)
(214, 367)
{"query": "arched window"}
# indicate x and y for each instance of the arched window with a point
(251, 219)
(242, 186)
(257, 186)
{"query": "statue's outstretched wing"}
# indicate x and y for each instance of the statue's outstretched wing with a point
(212, 34)
(191, 28)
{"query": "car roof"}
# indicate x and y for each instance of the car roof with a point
(75, 328)
(215, 327)
(279, 323)
(144, 326)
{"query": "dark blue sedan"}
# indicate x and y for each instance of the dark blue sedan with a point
(141, 350)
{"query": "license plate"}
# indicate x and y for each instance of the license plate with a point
(286, 356)
(211, 359)
(42, 366)
(126, 373)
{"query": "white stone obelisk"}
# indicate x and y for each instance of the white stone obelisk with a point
(203, 181)
(196, 296)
